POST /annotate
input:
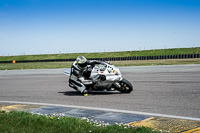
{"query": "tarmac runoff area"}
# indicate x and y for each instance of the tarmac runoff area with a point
(163, 123)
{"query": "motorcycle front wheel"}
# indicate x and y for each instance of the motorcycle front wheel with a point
(125, 86)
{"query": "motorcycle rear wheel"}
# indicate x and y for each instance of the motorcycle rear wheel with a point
(125, 86)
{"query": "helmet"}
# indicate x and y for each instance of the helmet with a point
(81, 62)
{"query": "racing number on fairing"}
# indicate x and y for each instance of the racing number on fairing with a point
(110, 69)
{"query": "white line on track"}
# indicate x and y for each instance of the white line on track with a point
(106, 109)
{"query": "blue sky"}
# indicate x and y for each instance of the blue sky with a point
(74, 26)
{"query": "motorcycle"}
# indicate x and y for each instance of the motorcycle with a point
(107, 78)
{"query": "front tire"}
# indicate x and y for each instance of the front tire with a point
(125, 86)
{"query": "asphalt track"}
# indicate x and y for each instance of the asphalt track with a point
(170, 90)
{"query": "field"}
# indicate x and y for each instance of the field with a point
(104, 54)
(47, 65)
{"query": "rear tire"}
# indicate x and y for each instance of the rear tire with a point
(125, 86)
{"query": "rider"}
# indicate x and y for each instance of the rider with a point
(80, 73)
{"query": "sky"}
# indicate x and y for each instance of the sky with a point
(29, 27)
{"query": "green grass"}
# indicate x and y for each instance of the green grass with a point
(45, 65)
(48, 65)
(157, 62)
(34, 65)
(104, 54)
(23, 122)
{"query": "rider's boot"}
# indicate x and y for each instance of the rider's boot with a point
(85, 92)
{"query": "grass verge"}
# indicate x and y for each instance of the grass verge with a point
(48, 65)
(22, 122)
(176, 51)
(157, 62)
(34, 65)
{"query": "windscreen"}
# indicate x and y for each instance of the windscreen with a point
(102, 66)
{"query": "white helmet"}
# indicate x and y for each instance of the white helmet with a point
(81, 62)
